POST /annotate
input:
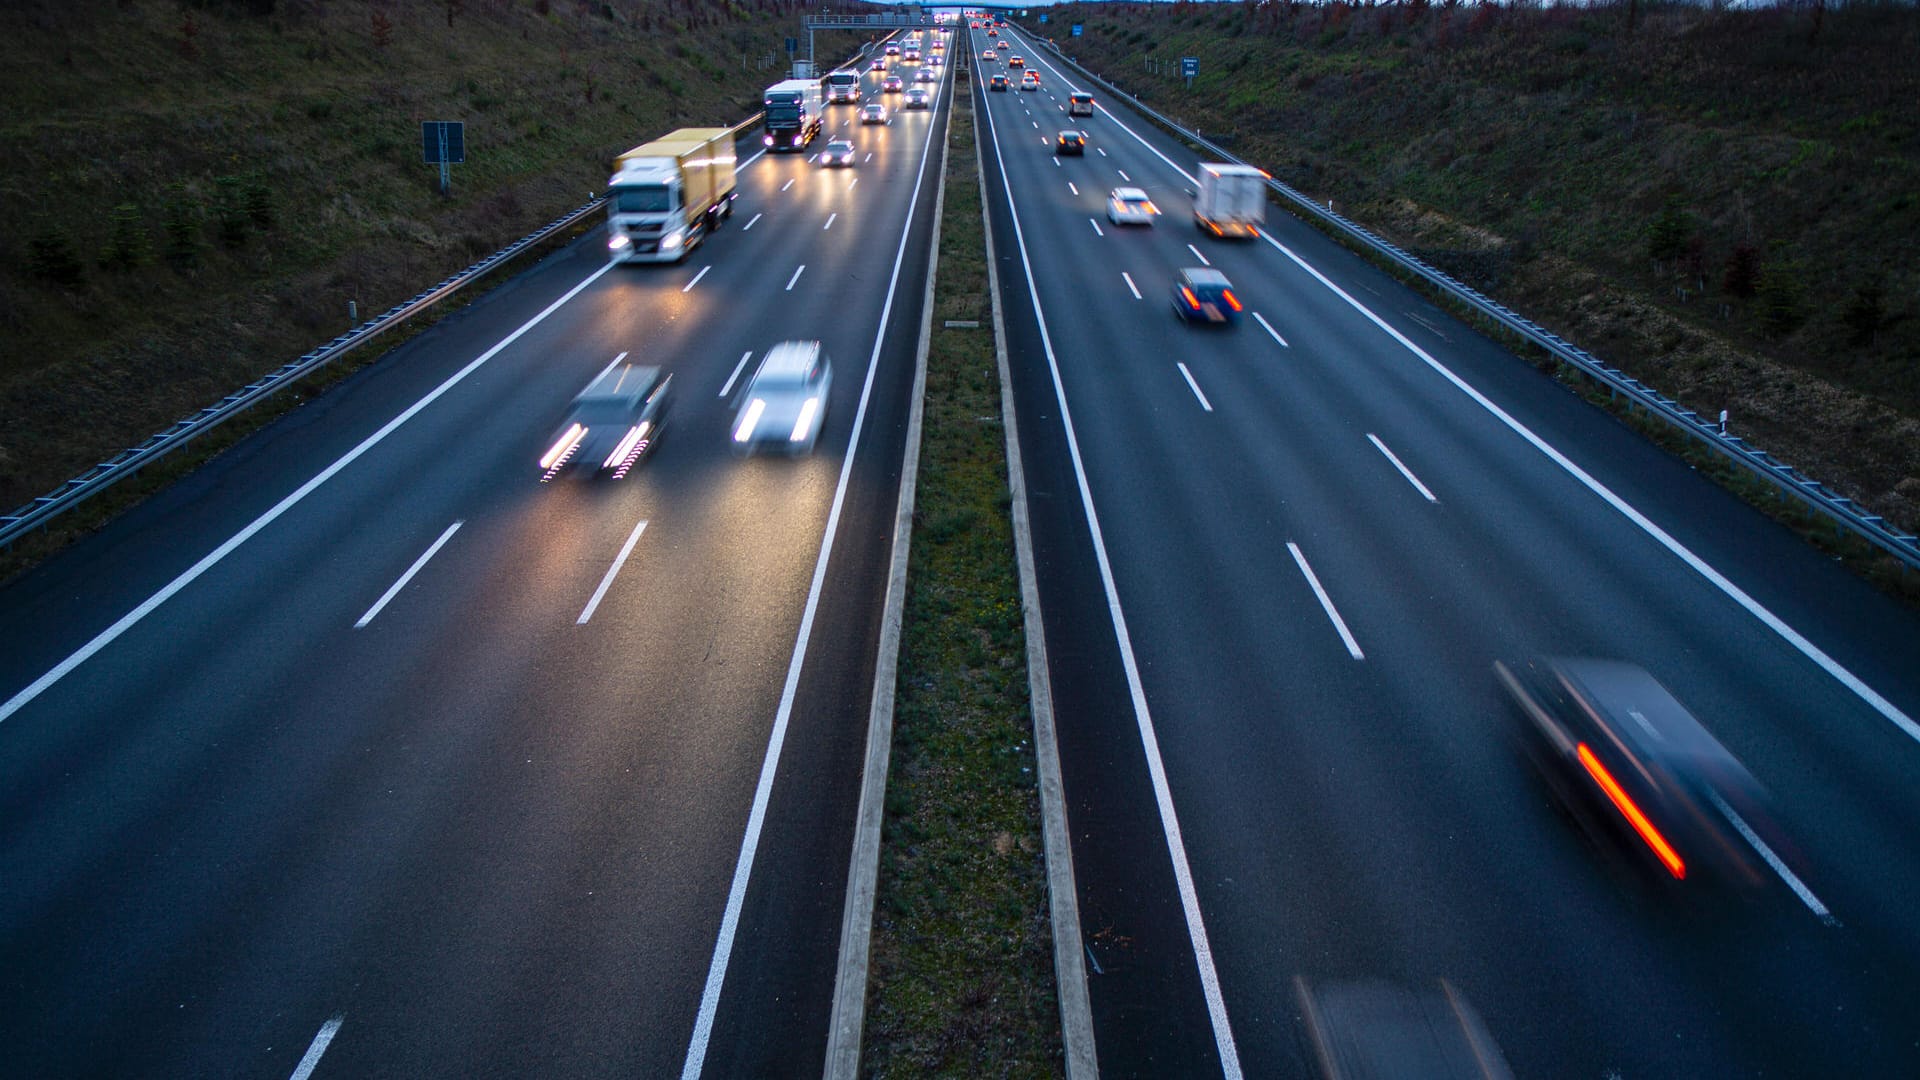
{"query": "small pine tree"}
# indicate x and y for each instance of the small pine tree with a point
(180, 221)
(1782, 298)
(260, 205)
(51, 257)
(1668, 233)
(127, 242)
(1743, 271)
(230, 212)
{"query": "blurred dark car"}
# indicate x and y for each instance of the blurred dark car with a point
(1203, 294)
(1634, 768)
(1070, 142)
(612, 423)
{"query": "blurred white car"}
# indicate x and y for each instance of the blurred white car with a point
(785, 404)
(873, 113)
(1130, 206)
(916, 99)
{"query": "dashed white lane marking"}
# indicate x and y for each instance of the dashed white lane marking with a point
(1269, 328)
(855, 180)
(796, 276)
(605, 582)
(1096, 227)
(394, 590)
(786, 185)
(1404, 471)
(1195, 387)
(1326, 603)
(749, 224)
(1793, 881)
(829, 223)
(1103, 153)
(311, 1059)
(737, 369)
(1197, 255)
(1124, 276)
(1071, 188)
(688, 287)
(1124, 176)
(863, 161)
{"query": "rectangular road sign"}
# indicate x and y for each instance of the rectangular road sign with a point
(1076, 29)
(443, 142)
(1189, 66)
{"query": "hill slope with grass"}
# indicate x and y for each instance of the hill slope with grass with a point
(1724, 203)
(193, 192)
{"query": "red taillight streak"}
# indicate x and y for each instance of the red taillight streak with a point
(1192, 301)
(1232, 300)
(1668, 857)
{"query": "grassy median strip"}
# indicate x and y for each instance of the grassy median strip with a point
(962, 977)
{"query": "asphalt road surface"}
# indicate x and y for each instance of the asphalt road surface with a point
(364, 752)
(1277, 561)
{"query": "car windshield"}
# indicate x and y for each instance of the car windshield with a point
(838, 147)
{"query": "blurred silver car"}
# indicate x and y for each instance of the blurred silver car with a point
(785, 404)
(612, 423)
(839, 153)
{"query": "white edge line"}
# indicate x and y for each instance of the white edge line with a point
(1143, 716)
(311, 1059)
(1326, 602)
(1130, 285)
(749, 224)
(620, 560)
(1793, 881)
(688, 287)
(212, 558)
(1739, 596)
(394, 590)
(1404, 471)
(1194, 386)
(776, 739)
(737, 369)
(1257, 317)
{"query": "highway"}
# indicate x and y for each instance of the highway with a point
(1276, 563)
(364, 752)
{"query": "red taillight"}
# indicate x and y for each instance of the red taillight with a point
(1192, 301)
(1621, 801)
(1232, 301)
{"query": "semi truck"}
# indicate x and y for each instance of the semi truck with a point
(793, 114)
(1232, 200)
(665, 196)
(843, 87)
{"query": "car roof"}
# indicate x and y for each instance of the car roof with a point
(1129, 193)
(1064, 132)
(621, 382)
(840, 142)
(790, 359)
(1205, 275)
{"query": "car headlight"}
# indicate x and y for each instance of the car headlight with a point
(796, 140)
(672, 240)
(766, 140)
(618, 241)
(749, 420)
(803, 427)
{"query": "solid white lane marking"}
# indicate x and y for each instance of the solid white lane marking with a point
(311, 1059)
(1793, 880)
(394, 590)
(737, 368)
(795, 277)
(1071, 188)
(127, 621)
(1404, 471)
(1195, 387)
(786, 185)
(1197, 255)
(749, 224)
(1136, 689)
(1269, 328)
(1326, 602)
(829, 223)
(769, 767)
(1124, 176)
(1680, 551)
(619, 561)
(1096, 227)
(688, 287)
(1130, 285)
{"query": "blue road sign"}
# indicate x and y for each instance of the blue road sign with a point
(1076, 29)
(443, 142)
(1189, 66)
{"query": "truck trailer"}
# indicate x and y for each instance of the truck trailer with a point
(665, 196)
(1232, 200)
(793, 114)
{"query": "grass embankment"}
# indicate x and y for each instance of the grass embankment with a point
(1721, 202)
(193, 193)
(962, 976)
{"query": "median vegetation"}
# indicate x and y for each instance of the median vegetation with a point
(962, 974)
(1720, 200)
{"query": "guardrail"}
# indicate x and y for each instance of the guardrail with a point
(1845, 514)
(40, 511)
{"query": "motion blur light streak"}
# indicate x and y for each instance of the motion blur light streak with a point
(565, 446)
(1641, 825)
(749, 421)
